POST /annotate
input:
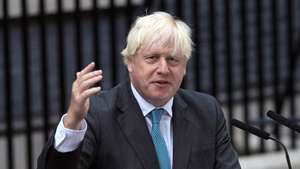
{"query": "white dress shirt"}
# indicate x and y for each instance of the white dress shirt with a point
(66, 140)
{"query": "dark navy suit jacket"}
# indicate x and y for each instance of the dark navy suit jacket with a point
(118, 137)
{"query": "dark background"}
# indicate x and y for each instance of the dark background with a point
(246, 53)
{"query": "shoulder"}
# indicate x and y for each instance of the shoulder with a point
(201, 107)
(110, 96)
(104, 107)
(192, 97)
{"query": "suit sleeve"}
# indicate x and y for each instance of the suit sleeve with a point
(80, 158)
(52, 159)
(226, 156)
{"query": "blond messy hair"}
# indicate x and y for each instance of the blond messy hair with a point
(162, 28)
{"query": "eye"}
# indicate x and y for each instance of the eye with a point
(151, 58)
(173, 60)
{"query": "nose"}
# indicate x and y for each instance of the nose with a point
(163, 67)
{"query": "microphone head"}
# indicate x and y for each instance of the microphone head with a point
(282, 120)
(262, 134)
(252, 130)
(277, 117)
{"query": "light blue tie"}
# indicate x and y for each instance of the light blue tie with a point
(158, 140)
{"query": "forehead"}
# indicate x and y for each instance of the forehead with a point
(156, 49)
(161, 48)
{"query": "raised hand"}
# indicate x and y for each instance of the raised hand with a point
(83, 87)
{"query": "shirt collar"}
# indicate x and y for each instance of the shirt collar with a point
(147, 107)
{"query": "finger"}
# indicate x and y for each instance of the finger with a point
(90, 75)
(90, 92)
(88, 68)
(89, 83)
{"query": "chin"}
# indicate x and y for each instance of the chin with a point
(160, 100)
(159, 95)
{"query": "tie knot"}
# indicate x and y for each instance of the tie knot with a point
(156, 114)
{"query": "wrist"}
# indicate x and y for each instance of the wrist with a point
(71, 122)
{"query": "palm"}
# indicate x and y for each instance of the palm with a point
(82, 89)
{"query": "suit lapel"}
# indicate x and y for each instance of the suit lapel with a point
(134, 127)
(182, 134)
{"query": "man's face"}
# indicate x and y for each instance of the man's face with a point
(156, 74)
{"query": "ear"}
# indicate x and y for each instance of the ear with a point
(129, 65)
(184, 71)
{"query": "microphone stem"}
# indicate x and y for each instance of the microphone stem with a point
(285, 151)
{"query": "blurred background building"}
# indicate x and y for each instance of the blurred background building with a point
(246, 53)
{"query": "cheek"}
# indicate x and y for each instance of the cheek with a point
(179, 74)
(141, 75)
(181, 71)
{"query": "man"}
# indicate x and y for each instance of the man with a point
(147, 123)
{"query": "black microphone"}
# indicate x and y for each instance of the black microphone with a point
(284, 121)
(262, 134)
(253, 130)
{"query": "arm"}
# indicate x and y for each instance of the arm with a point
(67, 140)
(82, 90)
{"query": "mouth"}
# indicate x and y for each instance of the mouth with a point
(161, 82)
